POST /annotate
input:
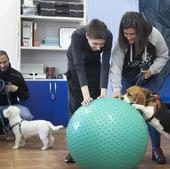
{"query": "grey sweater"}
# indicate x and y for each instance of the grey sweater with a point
(118, 59)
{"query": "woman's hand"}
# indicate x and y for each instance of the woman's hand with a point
(146, 73)
(117, 94)
(103, 93)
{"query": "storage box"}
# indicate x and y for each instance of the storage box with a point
(47, 4)
(76, 6)
(62, 9)
(33, 71)
(76, 10)
(32, 68)
(76, 13)
(27, 33)
(46, 8)
(47, 12)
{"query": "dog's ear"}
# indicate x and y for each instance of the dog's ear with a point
(147, 92)
(140, 98)
(15, 111)
(6, 113)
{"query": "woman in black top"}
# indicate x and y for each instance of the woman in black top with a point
(88, 65)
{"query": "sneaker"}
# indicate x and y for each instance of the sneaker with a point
(69, 159)
(158, 156)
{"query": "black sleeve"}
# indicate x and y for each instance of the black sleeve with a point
(22, 92)
(105, 65)
(78, 55)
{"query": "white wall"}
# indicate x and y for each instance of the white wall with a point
(9, 17)
(110, 11)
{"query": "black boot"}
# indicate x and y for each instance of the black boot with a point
(158, 156)
(69, 159)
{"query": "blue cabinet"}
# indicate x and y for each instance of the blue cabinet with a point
(48, 100)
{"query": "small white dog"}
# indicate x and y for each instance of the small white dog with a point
(24, 129)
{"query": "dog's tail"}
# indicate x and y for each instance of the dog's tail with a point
(55, 128)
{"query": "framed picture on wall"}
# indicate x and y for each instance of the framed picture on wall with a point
(65, 36)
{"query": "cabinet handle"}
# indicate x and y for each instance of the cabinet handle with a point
(50, 87)
(55, 87)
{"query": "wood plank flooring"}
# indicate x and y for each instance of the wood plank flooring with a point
(31, 157)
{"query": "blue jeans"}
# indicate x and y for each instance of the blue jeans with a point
(25, 114)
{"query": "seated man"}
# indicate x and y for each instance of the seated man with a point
(12, 89)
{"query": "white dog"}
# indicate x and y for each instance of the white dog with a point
(24, 129)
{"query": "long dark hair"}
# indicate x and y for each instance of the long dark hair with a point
(143, 29)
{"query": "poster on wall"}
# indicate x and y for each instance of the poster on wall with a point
(65, 36)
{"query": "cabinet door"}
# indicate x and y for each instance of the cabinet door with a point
(60, 102)
(48, 101)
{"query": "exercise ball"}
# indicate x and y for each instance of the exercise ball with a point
(107, 134)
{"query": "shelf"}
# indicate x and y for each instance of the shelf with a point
(29, 6)
(45, 80)
(34, 28)
(44, 48)
(52, 18)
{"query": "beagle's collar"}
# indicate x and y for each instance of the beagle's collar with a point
(153, 98)
(156, 99)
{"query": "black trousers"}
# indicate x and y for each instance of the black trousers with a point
(76, 97)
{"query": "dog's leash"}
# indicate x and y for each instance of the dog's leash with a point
(156, 99)
(18, 123)
(2, 86)
(4, 90)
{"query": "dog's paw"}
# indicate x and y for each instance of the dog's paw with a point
(167, 135)
(22, 143)
(138, 106)
(50, 146)
(44, 148)
(15, 147)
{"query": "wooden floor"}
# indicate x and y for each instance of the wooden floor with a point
(31, 157)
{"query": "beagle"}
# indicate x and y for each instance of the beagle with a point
(152, 108)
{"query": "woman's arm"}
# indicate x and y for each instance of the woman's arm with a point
(117, 62)
(161, 51)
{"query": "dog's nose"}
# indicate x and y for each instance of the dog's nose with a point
(122, 98)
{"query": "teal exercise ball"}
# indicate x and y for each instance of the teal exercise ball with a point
(107, 134)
